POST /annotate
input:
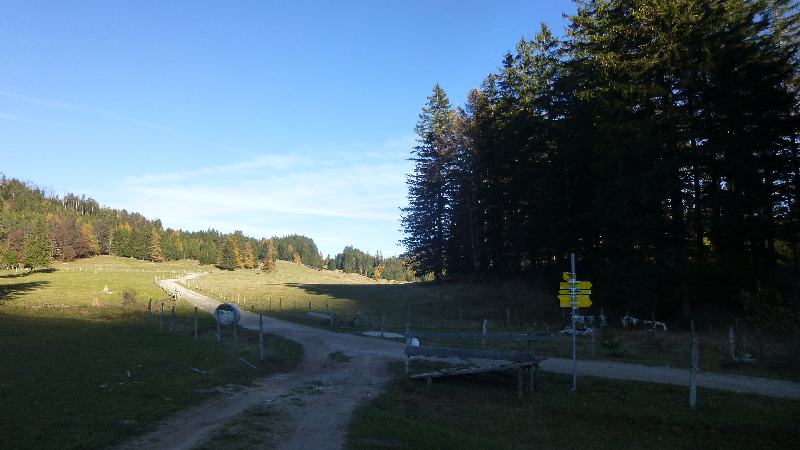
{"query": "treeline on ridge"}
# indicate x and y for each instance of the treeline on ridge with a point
(657, 140)
(353, 260)
(36, 227)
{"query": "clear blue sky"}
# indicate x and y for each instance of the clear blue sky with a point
(270, 117)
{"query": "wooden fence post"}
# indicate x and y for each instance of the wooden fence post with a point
(383, 323)
(483, 338)
(261, 337)
(235, 336)
(693, 371)
(172, 321)
(149, 310)
(161, 323)
(195, 323)
(219, 330)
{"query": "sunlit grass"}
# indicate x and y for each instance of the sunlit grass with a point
(68, 346)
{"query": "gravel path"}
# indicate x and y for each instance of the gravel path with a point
(319, 396)
(329, 392)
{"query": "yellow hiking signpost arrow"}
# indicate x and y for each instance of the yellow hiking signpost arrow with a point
(582, 301)
(569, 292)
(578, 284)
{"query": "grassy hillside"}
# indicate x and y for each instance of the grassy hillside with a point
(68, 345)
(292, 287)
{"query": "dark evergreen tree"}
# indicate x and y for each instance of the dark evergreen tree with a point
(426, 220)
(38, 249)
(227, 257)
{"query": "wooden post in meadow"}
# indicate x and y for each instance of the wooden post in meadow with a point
(195, 323)
(149, 310)
(383, 323)
(161, 323)
(408, 331)
(219, 330)
(508, 316)
(484, 332)
(261, 337)
(693, 370)
(172, 321)
(235, 336)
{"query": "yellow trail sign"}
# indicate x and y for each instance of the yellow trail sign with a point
(566, 276)
(579, 285)
(565, 301)
(567, 292)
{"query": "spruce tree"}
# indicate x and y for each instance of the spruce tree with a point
(227, 257)
(37, 250)
(426, 219)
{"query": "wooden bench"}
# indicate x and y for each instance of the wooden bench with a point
(502, 360)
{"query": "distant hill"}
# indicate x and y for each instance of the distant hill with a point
(78, 226)
(37, 227)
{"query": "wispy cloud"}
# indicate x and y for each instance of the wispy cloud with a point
(335, 196)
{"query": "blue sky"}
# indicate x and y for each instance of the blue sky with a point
(269, 117)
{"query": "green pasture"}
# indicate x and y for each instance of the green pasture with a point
(461, 307)
(483, 412)
(68, 345)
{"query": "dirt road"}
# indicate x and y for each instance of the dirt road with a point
(320, 396)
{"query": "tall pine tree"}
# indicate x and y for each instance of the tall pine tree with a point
(426, 220)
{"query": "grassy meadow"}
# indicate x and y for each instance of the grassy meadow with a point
(68, 345)
(483, 412)
(512, 306)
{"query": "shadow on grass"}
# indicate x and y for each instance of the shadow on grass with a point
(483, 412)
(421, 293)
(12, 291)
(30, 272)
(92, 382)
